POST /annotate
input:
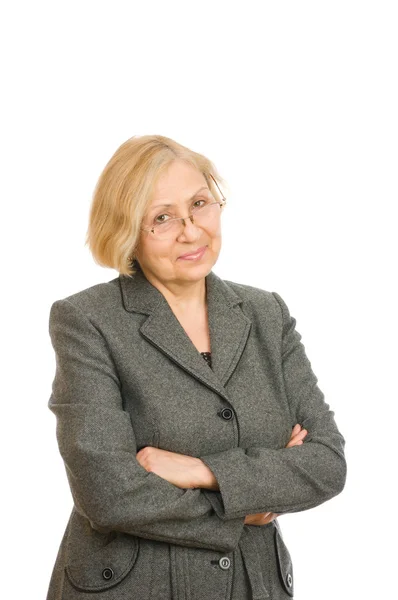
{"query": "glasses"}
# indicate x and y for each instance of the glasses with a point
(204, 215)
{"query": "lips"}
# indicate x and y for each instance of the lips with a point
(188, 254)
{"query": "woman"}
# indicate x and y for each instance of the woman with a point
(188, 416)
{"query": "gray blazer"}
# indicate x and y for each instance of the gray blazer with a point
(128, 376)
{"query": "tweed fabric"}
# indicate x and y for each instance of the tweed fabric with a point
(128, 376)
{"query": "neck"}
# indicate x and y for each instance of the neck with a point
(183, 297)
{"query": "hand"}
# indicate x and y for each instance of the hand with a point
(296, 439)
(260, 518)
(297, 436)
(179, 469)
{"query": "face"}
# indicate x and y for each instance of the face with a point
(160, 259)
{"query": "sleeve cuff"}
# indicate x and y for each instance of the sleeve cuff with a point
(227, 502)
(216, 501)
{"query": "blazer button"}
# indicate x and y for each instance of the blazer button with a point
(107, 573)
(224, 562)
(289, 580)
(226, 413)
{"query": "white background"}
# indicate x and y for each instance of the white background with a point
(296, 104)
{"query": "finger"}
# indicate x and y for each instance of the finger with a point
(294, 442)
(299, 436)
(296, 429)
(269, 517)
(291, 444)
(274, 515)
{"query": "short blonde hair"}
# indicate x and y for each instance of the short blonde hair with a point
(123, 194)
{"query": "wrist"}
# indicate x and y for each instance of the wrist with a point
(207, 478)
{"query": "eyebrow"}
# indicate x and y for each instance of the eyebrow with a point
(189, 199)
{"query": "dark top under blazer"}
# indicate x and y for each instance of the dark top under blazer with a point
(128, 376)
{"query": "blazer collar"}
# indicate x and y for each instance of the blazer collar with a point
(229, 327)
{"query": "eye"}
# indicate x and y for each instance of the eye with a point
(201, 200)
(158, 219)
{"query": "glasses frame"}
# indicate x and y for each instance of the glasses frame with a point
(221, 202)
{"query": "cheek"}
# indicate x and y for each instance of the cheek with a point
(162, 251)
(215, 233)
(217, 239)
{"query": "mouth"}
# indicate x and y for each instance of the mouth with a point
(195, 253)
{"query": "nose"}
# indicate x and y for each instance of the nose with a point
(190, 231)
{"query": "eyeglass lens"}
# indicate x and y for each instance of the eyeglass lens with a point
(201, 216)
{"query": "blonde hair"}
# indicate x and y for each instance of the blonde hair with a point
(123, 194)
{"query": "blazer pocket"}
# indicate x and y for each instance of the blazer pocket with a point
(285, 566)
(106, 567)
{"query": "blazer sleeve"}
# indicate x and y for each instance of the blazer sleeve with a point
(97, 443)
(286, 480)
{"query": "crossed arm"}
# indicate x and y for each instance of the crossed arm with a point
(152, 495)
(257, 479)
(189, 472)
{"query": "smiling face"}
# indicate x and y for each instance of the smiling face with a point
(181, 186)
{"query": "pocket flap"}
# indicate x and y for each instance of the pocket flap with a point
(284, 562)
(106, 567)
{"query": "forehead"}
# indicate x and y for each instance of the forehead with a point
(203, 190)
(178, 184)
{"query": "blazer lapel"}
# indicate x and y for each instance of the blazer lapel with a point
(229, 328)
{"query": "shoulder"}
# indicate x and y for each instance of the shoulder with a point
(258, 297)
(101, 297)
(264, 307)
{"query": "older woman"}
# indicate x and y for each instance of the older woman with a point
(188, 415)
